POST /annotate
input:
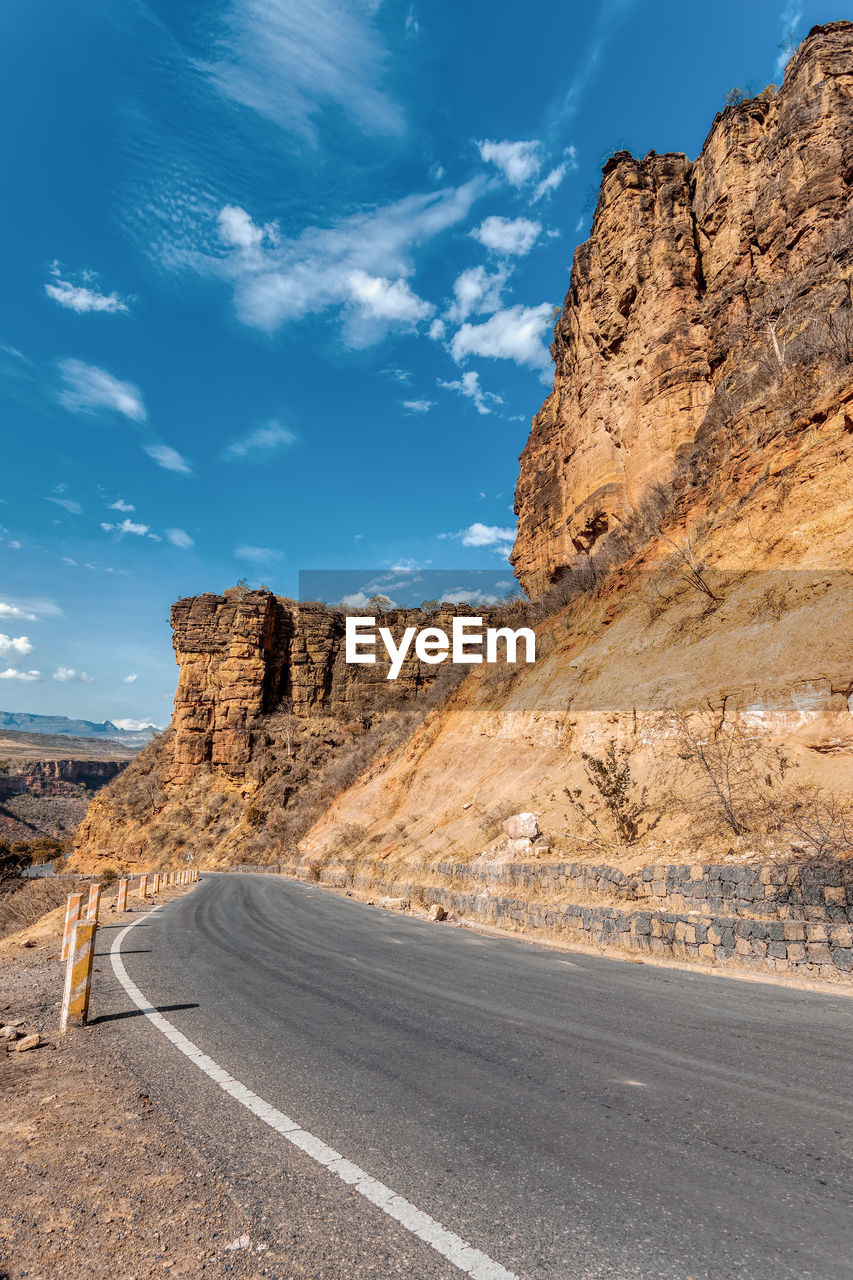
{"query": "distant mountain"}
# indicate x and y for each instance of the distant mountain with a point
(22, 722)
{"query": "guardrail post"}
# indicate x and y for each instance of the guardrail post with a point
(143, 886)
(78, 975)
(72, 915)
(155, 888)
(121, 900)
(94, 902)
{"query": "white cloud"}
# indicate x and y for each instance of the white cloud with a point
(80, 297)
(519, 162)
(258, 555)
(260, 441)
(133, 726)
(180, 538)
(550, 182)
(507, 236)
(237, 229)
(17, 644)
(11, 674)
(288, 62)
(121, 506)
(484, 537)
(377, 303)
(437, 330)
(362, 264)
(73, 507)
(476, 291)
(12, 611)
(790, 19)
(66, 675)
(417, 406)
(169, 459)
(126, 526)
(513, 334)
(88, 388)
(469, 386)
(131, 679)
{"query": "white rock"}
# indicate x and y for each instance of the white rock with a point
(522, 826)
(394, 904)
(8, 1033)
(437, 912)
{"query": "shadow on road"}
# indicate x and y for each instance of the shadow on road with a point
(138, 1013)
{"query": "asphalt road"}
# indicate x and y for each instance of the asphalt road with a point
(571, 1116)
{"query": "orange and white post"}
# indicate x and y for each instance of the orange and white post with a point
(94, 902)
(72, 915)
(121, 900)
(156, 885)
(78, 975)
(143, 886)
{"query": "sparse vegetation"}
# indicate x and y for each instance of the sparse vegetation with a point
(622, 799)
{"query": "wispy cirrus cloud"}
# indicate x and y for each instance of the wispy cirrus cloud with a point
(82, 297)
(469, 387)
(361, 265)
(260, 442)
(257, 555)
(180, 538)
(288, 62)
(168, 458)
(417, 406)
(68, 504)
(86, 389)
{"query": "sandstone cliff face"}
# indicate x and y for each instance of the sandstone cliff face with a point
(240, 656)
(668, 324)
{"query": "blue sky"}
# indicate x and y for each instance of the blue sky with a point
(279, 285)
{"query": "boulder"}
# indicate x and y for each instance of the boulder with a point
(522, 826)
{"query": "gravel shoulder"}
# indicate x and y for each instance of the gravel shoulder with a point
(96, 1181)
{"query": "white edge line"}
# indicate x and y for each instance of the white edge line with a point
(452, 1247)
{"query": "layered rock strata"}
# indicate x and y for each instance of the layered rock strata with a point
(697, 279)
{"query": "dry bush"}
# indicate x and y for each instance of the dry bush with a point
(620, 796)
(731, 778)
(819, 820)
(23, 902)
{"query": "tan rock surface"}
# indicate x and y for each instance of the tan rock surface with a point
(665, 325)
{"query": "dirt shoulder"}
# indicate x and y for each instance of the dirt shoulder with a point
(95, 1180)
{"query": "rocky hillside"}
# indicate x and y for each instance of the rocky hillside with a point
(684, 511)
(47, 782)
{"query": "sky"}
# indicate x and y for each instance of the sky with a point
(280, 279)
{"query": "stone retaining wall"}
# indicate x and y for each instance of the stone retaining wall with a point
(810, 934)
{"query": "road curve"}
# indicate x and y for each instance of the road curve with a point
(570, 1116)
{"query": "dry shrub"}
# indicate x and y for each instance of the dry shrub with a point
(23, 902)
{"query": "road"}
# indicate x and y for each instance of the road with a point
(570, 1116)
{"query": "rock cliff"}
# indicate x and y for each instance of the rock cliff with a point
(698, 278)
(684, 511)
(242, 654)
